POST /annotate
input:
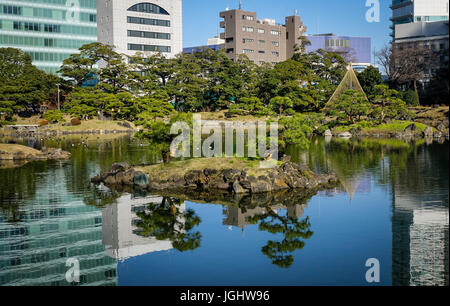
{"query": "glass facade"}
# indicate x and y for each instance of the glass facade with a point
(48, 30)
(50, 229)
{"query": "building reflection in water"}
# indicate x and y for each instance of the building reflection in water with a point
(47, 231)
(238, 217)
(420, 242)
(420, 219)
(121, 236)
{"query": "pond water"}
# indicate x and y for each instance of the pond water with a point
(392, 206)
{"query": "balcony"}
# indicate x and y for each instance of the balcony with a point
(223, 24)
(403, 17)
(400, 4)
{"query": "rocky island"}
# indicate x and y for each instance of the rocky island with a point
(230, 175)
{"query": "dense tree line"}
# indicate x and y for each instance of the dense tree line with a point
(147, 88)
(203, 81)
(23, 87)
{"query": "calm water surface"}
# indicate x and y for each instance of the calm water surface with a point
(392, 205)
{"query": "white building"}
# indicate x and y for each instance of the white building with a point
(407, 11)
(120, 236)
(136, 26)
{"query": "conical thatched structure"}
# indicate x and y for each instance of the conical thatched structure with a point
(350, 185)
(350, 81)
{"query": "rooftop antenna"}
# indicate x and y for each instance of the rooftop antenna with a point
(240, 4)
(295, 12)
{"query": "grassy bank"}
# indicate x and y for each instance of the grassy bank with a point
(394, 127)
(85, 126)
(17, 149)
(180, 168)
(220, 116)
(90, 125)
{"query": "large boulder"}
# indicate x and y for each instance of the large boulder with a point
(141, 180)
(125, 125)
(429, 132)
(238, 189)
(345, 135)
(116, 167)
(56, 154)
(356, 131)
(411, 128)
(260, 185)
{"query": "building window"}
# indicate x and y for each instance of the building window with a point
(245, 51)
(148, 21)
(148, 8)
(152, 48)
(36, 27)
(247, 40)
(12, 10)
(247, 29)
(276, 53)
(339, 43)
(273, 32)
(276, 43)
(144, 34)
(17, 25)
(247, 17)
(261, 31)
(262, 41)
(261, 51)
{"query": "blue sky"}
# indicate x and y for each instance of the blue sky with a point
(340, 17)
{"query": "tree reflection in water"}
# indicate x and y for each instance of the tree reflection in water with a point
(293, 231)
(168, 221)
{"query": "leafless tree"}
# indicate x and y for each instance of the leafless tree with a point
(406, 63)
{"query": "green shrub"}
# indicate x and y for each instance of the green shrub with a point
(54, 116)
(366, 124)
(411, 98)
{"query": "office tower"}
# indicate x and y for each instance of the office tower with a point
(48, 30)
(409, 11)
(134, 26)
